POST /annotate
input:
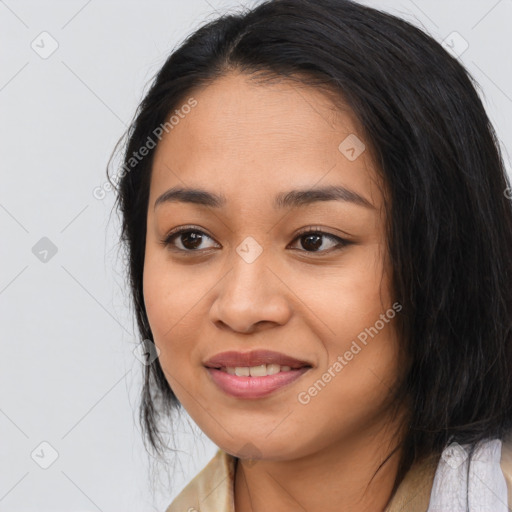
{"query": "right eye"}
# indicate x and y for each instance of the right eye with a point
(189, 243)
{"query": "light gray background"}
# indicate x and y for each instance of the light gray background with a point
(68, 376)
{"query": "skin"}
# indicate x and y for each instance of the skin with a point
(250, 142)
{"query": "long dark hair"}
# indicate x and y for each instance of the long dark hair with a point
(449, 213)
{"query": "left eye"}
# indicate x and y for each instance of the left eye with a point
(314, 237)
(191, 239)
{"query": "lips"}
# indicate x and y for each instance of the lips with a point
(255, 358)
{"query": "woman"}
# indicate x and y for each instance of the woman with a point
(318, 231)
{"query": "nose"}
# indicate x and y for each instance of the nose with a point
(251, 297)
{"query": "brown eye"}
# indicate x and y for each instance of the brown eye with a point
(314, 239)
(190, 239)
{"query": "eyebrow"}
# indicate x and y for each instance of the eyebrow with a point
(291, 199)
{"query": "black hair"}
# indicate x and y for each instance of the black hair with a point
(449, 222)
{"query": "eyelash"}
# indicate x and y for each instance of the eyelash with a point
(168, 239)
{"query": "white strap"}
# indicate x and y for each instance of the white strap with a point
(487, 488)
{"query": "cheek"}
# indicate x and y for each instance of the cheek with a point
(168, 297)
(351, 391)
(166, 302)
(176, 313)
(347, 298)
(362, 352)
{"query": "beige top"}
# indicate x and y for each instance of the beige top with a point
(211, 490)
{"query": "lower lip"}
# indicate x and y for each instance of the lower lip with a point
(254, 387)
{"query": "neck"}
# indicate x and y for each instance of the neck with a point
(337, 477)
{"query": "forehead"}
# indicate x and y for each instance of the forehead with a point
(244, 137)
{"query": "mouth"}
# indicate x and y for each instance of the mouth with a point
(257, 362)
(239, 383)
(253, 387)
(262, 370)
(256, 374)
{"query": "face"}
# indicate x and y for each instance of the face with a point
(244, 277)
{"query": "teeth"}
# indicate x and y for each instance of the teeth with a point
(256, 371)
(242, 372)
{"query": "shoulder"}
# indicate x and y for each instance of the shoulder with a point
(413, 494)
(211, 490)
(506, 463)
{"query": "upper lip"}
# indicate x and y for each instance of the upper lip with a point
(233, 359)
